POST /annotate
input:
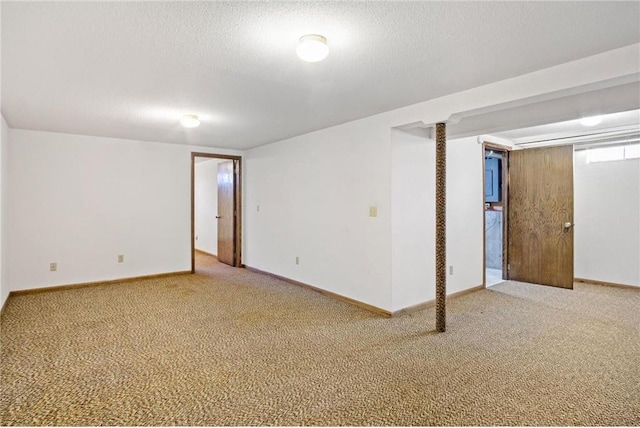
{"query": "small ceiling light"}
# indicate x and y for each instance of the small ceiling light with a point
(190, 121)
(591, 121)
(312, 48)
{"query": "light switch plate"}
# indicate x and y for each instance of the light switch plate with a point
(373, 211)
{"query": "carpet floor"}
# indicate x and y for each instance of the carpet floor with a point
(231, 347)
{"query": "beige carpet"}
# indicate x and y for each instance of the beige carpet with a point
(231, 347)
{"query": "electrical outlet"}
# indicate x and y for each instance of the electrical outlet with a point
(450, 270)
(297, 260)
(53, 267)
(120, 258)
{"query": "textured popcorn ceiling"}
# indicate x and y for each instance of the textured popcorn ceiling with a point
(130, 70)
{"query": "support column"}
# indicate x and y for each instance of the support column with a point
(441, 226)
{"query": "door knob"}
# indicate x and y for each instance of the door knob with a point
(568, 225)
(217, 216)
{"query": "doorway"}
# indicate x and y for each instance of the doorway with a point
(495, 162)
(216, 208)
(528, 215)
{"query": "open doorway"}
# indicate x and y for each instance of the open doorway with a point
(215, 209)
(495, 161)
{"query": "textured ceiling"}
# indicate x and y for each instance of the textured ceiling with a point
(130, 70)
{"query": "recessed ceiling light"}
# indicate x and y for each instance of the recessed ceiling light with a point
(591, 121)
(190, 121)
(312, 48)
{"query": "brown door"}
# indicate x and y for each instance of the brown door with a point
(226, 213)
(540, 225)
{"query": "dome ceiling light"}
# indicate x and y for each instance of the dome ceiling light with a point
(190, 121)
(591, 121)
(312, 48)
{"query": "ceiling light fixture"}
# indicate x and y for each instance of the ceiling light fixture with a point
(190, 121)
(591, 121)
(312, 48)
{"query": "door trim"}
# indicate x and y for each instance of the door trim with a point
(237, 183)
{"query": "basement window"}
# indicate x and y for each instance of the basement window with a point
(613, 153)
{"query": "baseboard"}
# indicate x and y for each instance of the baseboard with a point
(4, 304)
(379, 311)
(94, 283)
(414, 308)
(205, 253)
(432, 303)
(349, 300)
(606, 284)
(465, 292)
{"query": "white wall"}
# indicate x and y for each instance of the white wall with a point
(316, 207)
(4, 147)
(206, 206)
(412, 219)
(80, 201)
(465, 214)
(314, 193)
(607, 220)
(4, 183)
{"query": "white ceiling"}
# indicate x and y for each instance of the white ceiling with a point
(131, 70)
(610, 122)
(536, 118)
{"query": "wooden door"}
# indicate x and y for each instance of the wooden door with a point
(226, 213)
(540, 216)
